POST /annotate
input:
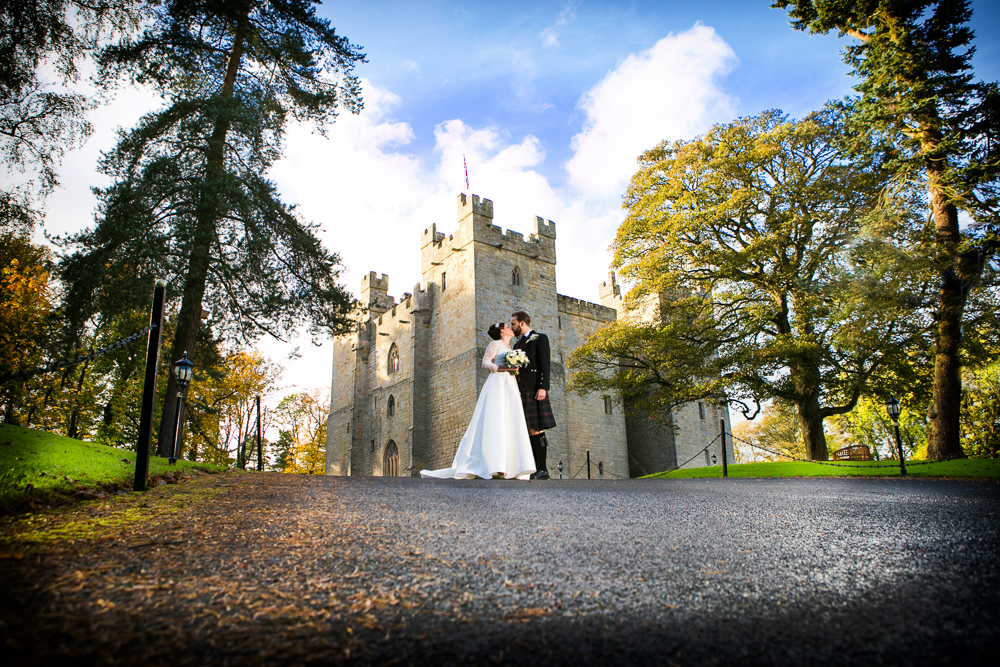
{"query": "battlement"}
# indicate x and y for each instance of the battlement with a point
(593, 311)
(468, 206)
(373, 283)
(609, 288)
(546, 229)
(475, 224)
(432, 235)
(374, 294)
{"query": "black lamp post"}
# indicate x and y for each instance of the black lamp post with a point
(183, 372)
(714, 459)
(892, 407)
(559, 467)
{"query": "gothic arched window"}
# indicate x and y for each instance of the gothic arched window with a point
(390, 460)
(391, 406)
(393, 365)
(515, 277)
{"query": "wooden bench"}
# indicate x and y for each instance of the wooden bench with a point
(853, 453)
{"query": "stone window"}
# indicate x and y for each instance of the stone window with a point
(444, 281)
(393, 365)
(607, 405)
(515, 277)
(390, 409)
(373, 446)
(348, 427)
(390, 460)
(701, 409)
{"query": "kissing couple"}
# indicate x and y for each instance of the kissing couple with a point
(506, 437)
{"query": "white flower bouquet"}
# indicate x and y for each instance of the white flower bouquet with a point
(517, 359)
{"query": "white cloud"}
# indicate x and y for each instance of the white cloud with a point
(667, 92)
(410, 65)
(550, 36)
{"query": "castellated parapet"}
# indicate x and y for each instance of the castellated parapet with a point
(405, 385)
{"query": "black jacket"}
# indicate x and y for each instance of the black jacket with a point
(536, 375)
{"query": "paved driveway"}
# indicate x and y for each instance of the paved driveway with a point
(281, 569)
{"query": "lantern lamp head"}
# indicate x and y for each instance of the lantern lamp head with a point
(714, 459)
(892, 407)
(183, 371)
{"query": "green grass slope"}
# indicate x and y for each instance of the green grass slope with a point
(43, 466)
(964, 468)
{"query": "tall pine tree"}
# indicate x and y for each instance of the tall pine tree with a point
(189, 201)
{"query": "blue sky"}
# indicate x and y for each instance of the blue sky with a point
(523, 66)
(550, 102)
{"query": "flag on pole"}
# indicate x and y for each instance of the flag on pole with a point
(466, 165)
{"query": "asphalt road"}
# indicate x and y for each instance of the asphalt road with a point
(627, 572)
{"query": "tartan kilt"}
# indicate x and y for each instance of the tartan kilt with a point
(537, 413)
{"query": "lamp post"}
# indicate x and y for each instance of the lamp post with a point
(560, 467)
(892, 407)
(183, 371)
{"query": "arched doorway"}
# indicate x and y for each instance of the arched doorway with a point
(390, 460)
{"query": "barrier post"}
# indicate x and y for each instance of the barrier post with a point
(145, 441)
(725, 469)
(260, 454)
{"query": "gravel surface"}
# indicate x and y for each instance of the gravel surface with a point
(285, 569)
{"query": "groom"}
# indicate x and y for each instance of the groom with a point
(533, 382)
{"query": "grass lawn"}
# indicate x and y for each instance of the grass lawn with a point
(963, 468)
(42, 466)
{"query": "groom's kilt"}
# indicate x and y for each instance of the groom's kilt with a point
(537, 413)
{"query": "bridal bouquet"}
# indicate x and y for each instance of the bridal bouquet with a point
(518, 359)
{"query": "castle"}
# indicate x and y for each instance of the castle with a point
(405, 384)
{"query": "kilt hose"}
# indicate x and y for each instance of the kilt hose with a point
(537, 413)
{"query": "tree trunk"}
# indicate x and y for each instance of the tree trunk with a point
(199, 257)
(74, 416)
(944, 441)
(811, 421)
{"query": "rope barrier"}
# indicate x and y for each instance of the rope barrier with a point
(827, 463)
(24, 375)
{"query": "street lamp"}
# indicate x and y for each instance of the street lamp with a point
(183, 371)
(892, 407)
(714, 459)
(559, 467)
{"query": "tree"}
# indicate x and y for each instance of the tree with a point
(189, 201)
(38, 123)
(981, 413)
(25, 305)
(223, 405)
(778, 430)
(303, 417)
(913, 59)
(766, 252)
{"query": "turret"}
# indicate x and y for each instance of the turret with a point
(375, 294)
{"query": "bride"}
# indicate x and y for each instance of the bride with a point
(496, 443)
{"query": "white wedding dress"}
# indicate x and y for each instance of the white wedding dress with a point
(497, 438)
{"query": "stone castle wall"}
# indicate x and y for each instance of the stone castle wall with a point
(591, 426)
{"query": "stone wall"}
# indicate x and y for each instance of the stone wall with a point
(590, 425)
